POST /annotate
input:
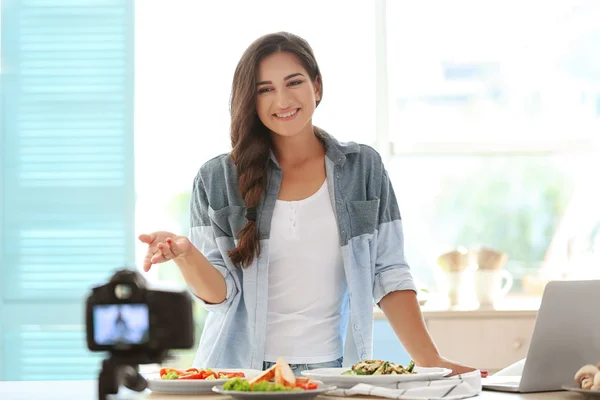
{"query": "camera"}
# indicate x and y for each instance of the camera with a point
(136, 325)
(125, 316)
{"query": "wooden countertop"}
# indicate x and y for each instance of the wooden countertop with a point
(86, 390)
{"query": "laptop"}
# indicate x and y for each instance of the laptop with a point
(566, 336)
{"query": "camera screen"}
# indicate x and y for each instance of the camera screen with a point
(121, 324)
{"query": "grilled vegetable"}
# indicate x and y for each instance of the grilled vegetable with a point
(379, 367)
(353, 372)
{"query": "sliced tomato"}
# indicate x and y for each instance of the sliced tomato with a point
(180, 372)
(301, 380)
(199, 375)
(307, 385)
(164, 371)
(215, 374)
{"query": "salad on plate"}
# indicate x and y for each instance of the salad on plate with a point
(278, 378)
(195, 373)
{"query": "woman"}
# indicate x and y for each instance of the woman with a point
(294, 234)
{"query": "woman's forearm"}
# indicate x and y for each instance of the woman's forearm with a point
(402, 310)
(202, 277)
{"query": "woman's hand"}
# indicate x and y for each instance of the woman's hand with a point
(163, 246)
(204, 279)
(455, 367)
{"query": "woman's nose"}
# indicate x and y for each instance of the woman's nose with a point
(283, 99)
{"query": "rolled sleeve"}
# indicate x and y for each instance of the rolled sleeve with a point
(202, 235)
(392, 272)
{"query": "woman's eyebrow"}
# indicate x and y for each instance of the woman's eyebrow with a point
(285, 79)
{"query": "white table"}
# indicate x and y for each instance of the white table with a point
(86, 390)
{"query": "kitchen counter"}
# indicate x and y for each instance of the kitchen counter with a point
(86, 390)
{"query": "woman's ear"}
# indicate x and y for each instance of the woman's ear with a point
(318, 88)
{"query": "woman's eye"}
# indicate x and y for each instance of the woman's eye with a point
(295, 83)
(263, 90)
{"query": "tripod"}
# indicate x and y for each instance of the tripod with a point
(122, 369)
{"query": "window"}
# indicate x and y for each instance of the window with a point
(494, 114)
(66, 177)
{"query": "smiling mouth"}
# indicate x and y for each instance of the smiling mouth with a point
(288, 114)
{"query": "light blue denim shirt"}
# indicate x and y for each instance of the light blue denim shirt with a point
(371, 242)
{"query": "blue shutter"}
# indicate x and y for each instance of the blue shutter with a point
(66, 181)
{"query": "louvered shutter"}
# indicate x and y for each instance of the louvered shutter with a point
(66, 189)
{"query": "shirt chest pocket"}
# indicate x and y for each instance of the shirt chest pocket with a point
(363, 218)
(227, 221)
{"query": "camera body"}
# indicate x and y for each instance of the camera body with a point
(125, 317)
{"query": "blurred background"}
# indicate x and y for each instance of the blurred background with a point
(487, 114)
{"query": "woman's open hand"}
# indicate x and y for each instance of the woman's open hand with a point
(163, 246)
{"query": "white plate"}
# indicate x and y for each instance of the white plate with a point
(333, 376)
(192, 386)
(595, 394)
(304, 395)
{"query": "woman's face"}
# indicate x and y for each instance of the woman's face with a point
(285, 95)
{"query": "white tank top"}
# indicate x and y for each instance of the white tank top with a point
(306, 282)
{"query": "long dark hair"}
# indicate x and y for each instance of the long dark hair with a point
(250, 139)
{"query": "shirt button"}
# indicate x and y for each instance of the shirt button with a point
(356, 327)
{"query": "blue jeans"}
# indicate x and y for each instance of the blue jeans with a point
(298, 368)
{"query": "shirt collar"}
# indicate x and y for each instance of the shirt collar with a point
(334, 150)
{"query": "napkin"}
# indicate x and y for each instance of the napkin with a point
(451, 388)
